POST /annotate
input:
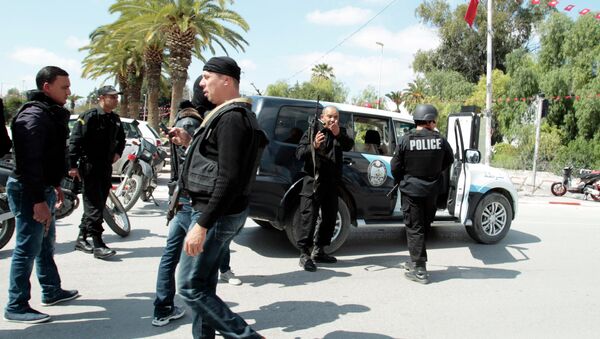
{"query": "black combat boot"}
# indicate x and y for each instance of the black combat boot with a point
(101, 251)
(306, 262)
(81, 244)
(417, 272)
(319, 255)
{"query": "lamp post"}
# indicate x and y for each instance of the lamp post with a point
(380, 63)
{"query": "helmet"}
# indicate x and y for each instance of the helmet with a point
(425, 113)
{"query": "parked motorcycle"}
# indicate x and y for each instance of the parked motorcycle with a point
(114, 214)
(589, 183)
(139, 178)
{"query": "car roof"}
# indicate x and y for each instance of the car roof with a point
(341, 107)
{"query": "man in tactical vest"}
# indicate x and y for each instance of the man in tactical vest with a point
(420, 158)
(96, 142)
(217, 174)
(327, 141)
(40, 134)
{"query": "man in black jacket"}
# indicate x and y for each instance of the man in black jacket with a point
(217, 174)
(320, 189)
(422, 155)
(40, 133)
(96, 142)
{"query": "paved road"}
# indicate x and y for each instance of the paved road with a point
(539, 282)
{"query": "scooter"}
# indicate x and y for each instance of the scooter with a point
(589, 183)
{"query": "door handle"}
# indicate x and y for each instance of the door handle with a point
(348, 161)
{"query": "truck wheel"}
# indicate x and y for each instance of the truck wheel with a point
(7, 227)
(340, 233)
(491, 220)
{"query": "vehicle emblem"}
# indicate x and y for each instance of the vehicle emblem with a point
(377, 173)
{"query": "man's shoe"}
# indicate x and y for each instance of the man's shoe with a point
(230, 278)
(319, 255)
(62, 295)
(29, 316)
(103, 252)
(307, 263)
(176, 313)
(408, 266)
(418, 274)
(81, 244)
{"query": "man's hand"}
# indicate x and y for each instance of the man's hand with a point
(194, 241)
(180, 136)
(74, 173)
(60, 197)
(41, 214)
(335, 129)
(319, 138)
(116, 158)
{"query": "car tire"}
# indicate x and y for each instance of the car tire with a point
(7, 227)
(492, 219)
(340, 234)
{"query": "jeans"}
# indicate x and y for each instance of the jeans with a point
(31, 245)
(198, 282)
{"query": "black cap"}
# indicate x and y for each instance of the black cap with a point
(223, 65)
(108, 90)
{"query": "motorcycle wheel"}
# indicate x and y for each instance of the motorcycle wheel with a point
(131, 192)
(70, 203)
(558, 189)
(115, 216)
(7, 227)
(596, 197)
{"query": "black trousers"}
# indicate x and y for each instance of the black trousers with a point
(325, 198)
(96, 185)
(419, 213)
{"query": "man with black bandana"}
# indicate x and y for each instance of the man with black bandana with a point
(40, 133)
(217, 174)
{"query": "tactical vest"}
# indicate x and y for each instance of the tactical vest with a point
(199, 174)
(423, 155)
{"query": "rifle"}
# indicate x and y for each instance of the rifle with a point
(312, 133)
(173, 204)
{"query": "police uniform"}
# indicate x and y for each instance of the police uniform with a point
(95, 139)
(420, 158)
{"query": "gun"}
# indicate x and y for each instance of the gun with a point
(173, 204)
(313, 132)
(392, 190)
(165, 129)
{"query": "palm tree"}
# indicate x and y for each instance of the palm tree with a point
(414, 95)
(189, 27)
(396, 98)
(72, 99)
(322, 71)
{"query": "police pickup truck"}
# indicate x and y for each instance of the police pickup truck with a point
(479, 197)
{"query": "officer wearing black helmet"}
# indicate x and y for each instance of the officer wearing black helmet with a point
(421, 157)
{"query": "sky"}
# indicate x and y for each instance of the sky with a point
(286, 38)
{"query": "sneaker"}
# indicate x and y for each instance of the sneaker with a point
(29, 316)
(230, 278)
(307, 263)
(176, 313)
(319, 255)
(418, 274)
(408, 266)
(62, 295)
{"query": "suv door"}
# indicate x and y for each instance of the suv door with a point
(367, 172)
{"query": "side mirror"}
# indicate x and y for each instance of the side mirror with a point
(135, 122)
(472, 156)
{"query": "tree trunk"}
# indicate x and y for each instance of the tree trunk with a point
(123, 103)
(153, 61)
(135, 80)
(176, 95)
(180, 45)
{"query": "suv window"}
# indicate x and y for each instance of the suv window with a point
(131, 131)
(372, 135)
(292, 122)
(401, 128)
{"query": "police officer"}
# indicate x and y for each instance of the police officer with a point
(97, 141)
(420, 158)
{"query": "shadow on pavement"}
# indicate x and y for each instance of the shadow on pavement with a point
(299, 315)
(129, 317)
(267, 243)
(294, 278)
(355, 335)
(465, 272)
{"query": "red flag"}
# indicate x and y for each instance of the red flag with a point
(584, 11)
(553, 3)
(471, 12)
(535, 2)
(569, 8)
(598, 16)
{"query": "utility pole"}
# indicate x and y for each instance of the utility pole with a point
(488, 87)
(380, 63)
(538, 122)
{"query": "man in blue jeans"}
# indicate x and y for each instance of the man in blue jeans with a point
(40, 133)
(229, 139)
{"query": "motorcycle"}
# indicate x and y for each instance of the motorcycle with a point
(589, 183)
(140, 176)
(114, 214)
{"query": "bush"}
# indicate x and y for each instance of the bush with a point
(580, 153)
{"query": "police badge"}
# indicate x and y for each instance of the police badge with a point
(376, 173)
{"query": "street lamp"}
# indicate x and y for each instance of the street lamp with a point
(380, 63)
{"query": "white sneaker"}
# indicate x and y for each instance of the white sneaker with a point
(230, 278)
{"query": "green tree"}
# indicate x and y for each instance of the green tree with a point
(414, 94)
(190, 27)
(397, 98)
(326, 90)
(322, 71)
(367, 97)
(73, 100)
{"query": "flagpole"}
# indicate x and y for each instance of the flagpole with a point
(488, 94)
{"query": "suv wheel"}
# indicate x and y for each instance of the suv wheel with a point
(340, 233)
(491, 220)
